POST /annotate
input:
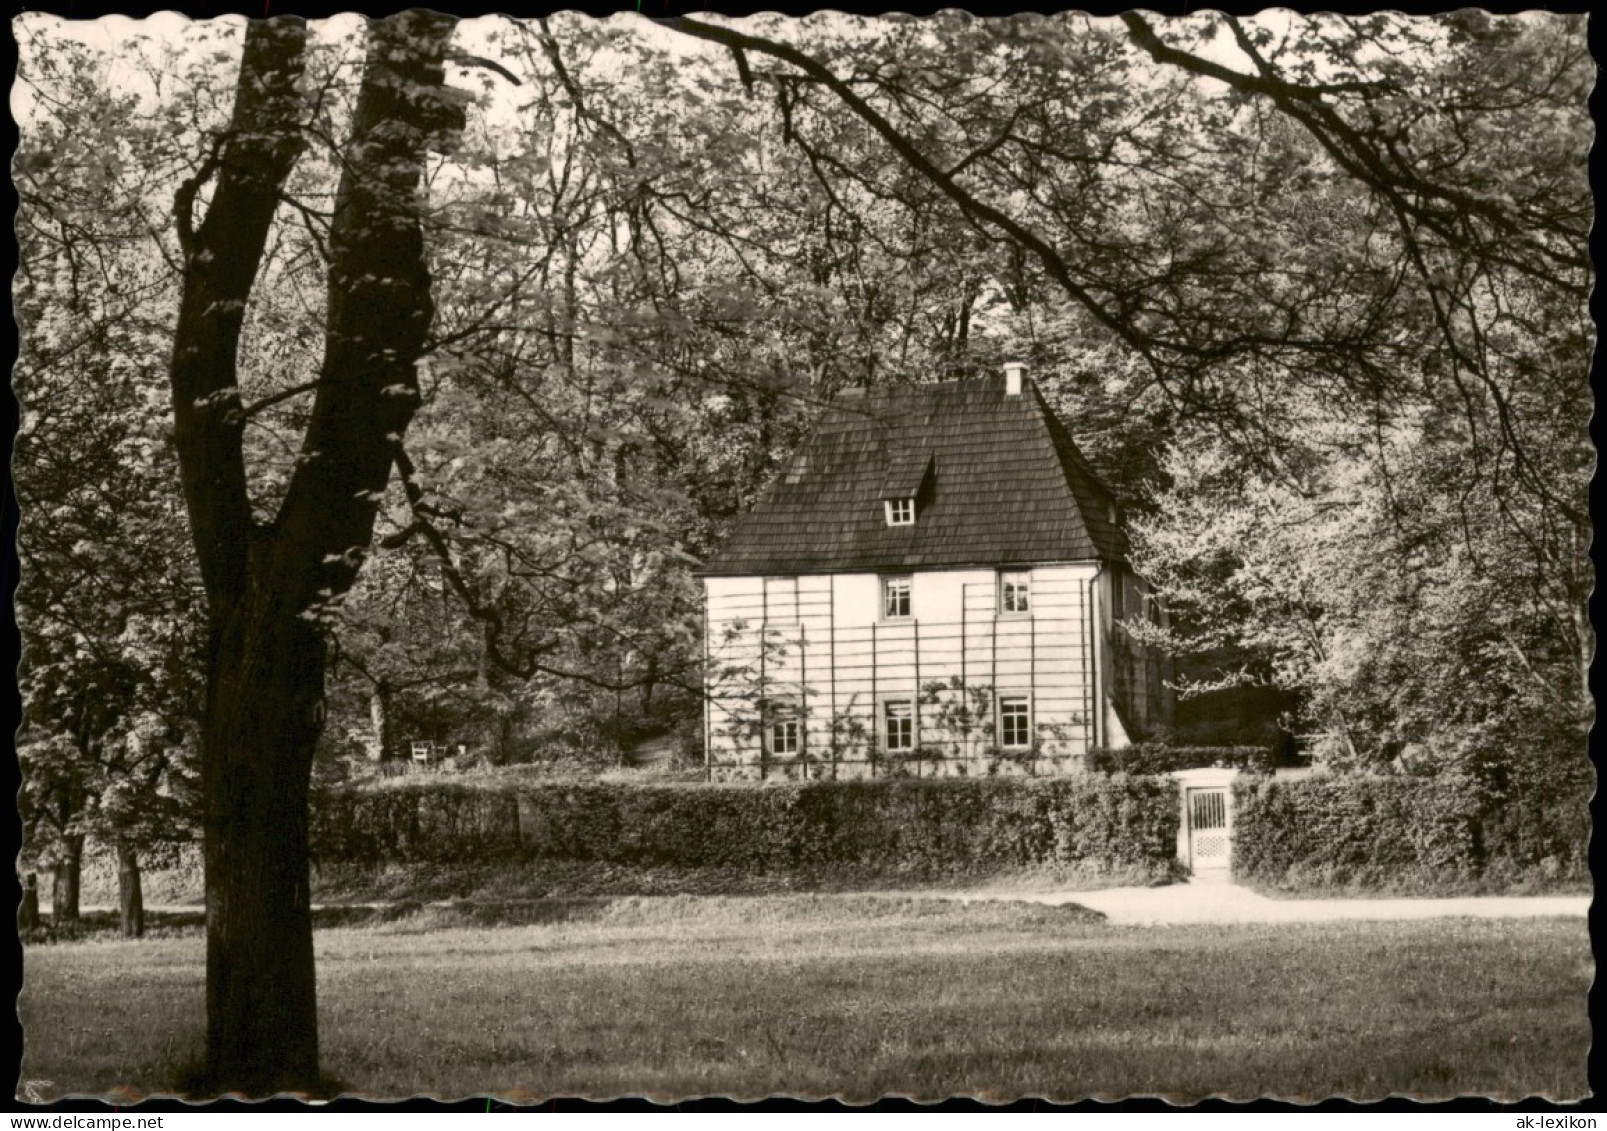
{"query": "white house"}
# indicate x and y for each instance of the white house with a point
(932, 586)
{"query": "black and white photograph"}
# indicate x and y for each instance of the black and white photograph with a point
(1036, 557)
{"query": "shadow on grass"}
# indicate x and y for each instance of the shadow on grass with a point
(413, 914)
(515, 879)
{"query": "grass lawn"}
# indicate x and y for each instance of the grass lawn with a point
(859, 996)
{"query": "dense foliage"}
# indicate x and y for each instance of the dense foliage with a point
(108, 602)
(931, 827)
(1416, 834)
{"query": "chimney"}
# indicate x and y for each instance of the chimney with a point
(1012, 378)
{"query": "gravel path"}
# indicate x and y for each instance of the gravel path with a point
(1208, 901)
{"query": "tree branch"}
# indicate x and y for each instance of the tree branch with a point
(968, 202)
(184, 196)
(380, 309)
(220, 265)
(1362, 158)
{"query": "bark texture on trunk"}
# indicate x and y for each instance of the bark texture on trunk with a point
(379, 718)
(221, 257)
(64, 882)
(264, 702)
(130, 897)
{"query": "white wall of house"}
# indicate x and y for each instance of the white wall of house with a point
(833, 659)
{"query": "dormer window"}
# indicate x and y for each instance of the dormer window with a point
(909, 478)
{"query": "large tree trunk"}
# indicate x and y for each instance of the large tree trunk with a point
(261, 1029)
(130, 897)
(263, 710)
(64, 884)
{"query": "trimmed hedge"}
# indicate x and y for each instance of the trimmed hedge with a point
(1401, 833)
(897, 826)
(1160, 758)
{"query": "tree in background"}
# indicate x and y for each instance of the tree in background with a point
(108, 606)
(106, 755)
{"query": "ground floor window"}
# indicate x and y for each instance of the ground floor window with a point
(1015, 721)
(898, 724)
(783, 733)
(784, 737)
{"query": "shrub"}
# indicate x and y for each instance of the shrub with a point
(1538, 834)
(1161, 758)
(903, 826)
(1402, 832)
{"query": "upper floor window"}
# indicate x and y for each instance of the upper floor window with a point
(900, 512)
(895, 597)
(1015, 591)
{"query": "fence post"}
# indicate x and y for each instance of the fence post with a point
(831, 623)
(803, 692)
(1085, 596)
(1032, 682)
(915, 703)
(708, 698)
(965, 602)
(875, 706)
(764, 688)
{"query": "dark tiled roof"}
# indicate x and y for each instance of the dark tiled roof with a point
(1000, 483)
(906, 474)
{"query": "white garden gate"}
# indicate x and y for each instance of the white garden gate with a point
(1209, 835)
(1205, 831)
